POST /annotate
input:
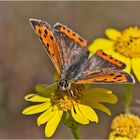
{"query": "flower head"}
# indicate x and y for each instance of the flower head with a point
(125, 126)
(123, 45)
(53, 103)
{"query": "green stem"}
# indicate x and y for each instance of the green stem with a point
(128, 97)
(72, 124)
(75, 132)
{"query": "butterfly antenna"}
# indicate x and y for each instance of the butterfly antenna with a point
(51, 85)
(48, 87)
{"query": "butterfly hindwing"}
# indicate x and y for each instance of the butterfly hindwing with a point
(110, 77)
(103, 68)
(108, 58)
(45, 33)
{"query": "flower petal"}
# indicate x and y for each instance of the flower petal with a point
(78, 116)
(101, 107)
(44, 117)
(100, 43)
(136, 67)
(36, 98)
(112, 33)
(36, 108)
(95, 96)
(88, 112)
(113, 136)
(53, 123)
(99, 95)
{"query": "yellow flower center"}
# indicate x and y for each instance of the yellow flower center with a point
(128, 44)
(65, 101)
(127, 125)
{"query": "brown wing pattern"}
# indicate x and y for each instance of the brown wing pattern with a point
(103, 68)
(110, 59)
(71, 34)
(71, 45)
(45, 33)
(69, 54)
(113, 77)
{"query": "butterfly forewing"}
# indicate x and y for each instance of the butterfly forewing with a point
(45, 33)
(71, 34)
(70, 44)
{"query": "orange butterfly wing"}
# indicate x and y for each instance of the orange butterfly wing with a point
(114, 77)
(110, 59)
(45, 33)
(71, 34)
(71, 45)
(107, 71)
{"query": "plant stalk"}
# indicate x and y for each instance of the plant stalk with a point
(128, 97)
(75, 132)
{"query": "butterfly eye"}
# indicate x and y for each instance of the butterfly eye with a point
(66, 84)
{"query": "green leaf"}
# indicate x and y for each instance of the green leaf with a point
(45, 90)
(55, 77)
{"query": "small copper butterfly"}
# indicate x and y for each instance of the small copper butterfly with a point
(70, 56)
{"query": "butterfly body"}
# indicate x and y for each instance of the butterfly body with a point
(70, 56)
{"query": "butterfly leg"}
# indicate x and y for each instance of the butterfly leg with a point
(70, 93)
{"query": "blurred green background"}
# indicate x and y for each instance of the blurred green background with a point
(24, 63)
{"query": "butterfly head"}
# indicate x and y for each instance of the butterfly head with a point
(64, 84)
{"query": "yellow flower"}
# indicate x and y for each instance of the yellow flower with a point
(125, 126)
(123, 45)
(53, 103)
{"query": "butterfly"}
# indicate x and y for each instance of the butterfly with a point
(70, 56)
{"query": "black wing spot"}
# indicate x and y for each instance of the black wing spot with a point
(39, 31)
(46, 32)
(112, 74)
(111, 81)
(110, 57)
(53, 54)
(48, 45)
(68, 30)
(115, 78)
(80, 39)
(119, 76)
(64, 28)
(104, 54)
(51, 37)
(74, 34)
(45, 35)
